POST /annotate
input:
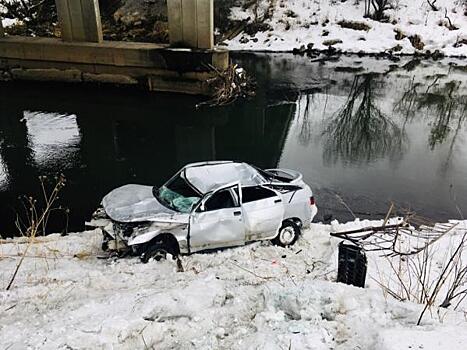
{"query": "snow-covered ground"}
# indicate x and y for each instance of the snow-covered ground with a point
(254, 297)
(297, 23)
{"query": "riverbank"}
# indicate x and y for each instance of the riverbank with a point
(408, 27)
(256, 296)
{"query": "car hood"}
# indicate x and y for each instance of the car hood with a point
(133, 203)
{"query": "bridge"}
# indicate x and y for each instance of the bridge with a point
(81, 54)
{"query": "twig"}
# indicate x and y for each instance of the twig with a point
(432, 5)
(451, 26)
(253, 273)
(345, 205)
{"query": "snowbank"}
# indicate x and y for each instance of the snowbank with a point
(412, 26)
(254, 297)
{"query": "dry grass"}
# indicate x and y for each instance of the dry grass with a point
(36, 219)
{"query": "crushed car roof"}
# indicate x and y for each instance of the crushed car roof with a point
(211, 175)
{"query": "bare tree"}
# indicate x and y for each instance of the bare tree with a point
(379, 6)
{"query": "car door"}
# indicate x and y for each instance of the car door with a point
(218, 221)
(263, 212)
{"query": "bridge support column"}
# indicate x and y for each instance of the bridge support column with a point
(191, 23)
(80, 20)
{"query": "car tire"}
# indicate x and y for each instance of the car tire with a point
(157, 251)
(288, 234)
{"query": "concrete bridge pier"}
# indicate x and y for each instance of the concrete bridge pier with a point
(80, 20)
(191, 23)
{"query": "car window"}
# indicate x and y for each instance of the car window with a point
(220, 200)
(256, 193)
(178, 195)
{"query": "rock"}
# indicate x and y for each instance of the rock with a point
(332, 42)
(417, 42)
(300, 50)
(437, 55)
(134, 10)
(399, 34)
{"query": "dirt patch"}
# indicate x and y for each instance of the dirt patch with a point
(354, 25)
(332, 42)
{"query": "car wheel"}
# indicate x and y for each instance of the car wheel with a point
(157, 251)
(288, 234)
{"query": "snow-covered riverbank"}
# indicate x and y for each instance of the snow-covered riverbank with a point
(412, 26)
(253, 297)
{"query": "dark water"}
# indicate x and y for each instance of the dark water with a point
(365, 131)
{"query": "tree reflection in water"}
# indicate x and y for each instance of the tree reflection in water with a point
(444, 105)
(360, 131)
(447, 107)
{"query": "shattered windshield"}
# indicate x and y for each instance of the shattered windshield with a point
(178, 195)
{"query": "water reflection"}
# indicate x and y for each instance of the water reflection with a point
(53, 138)
(360, 131)
(443, 102)
(3, 174)
(120, 137)
(447, 107)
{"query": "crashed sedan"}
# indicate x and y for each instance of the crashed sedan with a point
(205, 206)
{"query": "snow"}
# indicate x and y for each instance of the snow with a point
(8, 22)
(258, 296)
(297, 23)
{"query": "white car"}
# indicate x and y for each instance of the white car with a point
(205, 206)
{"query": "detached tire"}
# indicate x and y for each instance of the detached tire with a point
(288, 234)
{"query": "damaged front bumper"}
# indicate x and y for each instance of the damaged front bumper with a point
(112, 239)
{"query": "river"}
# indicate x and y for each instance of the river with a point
(365, 132)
